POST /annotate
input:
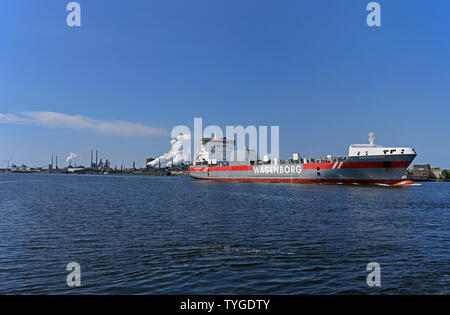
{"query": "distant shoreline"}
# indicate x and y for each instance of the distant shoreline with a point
(154, 173)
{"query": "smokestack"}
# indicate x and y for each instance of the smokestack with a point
(92, 157)
(52, 161)
(56, 162)
(96, 157)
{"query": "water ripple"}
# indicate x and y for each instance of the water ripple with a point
(169, 235)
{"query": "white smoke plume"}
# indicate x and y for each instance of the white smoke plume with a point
(71, 157)
(176, 152)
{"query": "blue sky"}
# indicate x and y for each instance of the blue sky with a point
(312, 67)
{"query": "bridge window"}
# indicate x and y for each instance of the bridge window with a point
(392, 151)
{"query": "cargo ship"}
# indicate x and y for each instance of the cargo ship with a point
(365, 164)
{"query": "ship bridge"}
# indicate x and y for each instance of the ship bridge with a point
(372, 149)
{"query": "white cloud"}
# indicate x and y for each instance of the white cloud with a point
(78, 122)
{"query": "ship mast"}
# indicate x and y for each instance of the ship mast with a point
(371, 138)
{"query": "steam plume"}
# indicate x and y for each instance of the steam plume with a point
(176, 152)
(71, 157)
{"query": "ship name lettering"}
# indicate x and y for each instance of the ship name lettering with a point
(277, 169)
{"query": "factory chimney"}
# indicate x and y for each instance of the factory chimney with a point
(56, 166)
(96, 158)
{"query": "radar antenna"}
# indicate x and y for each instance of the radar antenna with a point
(371, 137)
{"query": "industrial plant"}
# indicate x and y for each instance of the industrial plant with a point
(98, 165)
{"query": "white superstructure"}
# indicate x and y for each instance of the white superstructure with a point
(372, 149)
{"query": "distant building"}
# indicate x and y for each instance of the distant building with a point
(107, 165)
(436, 173)
(75, 169)
(422, 170)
